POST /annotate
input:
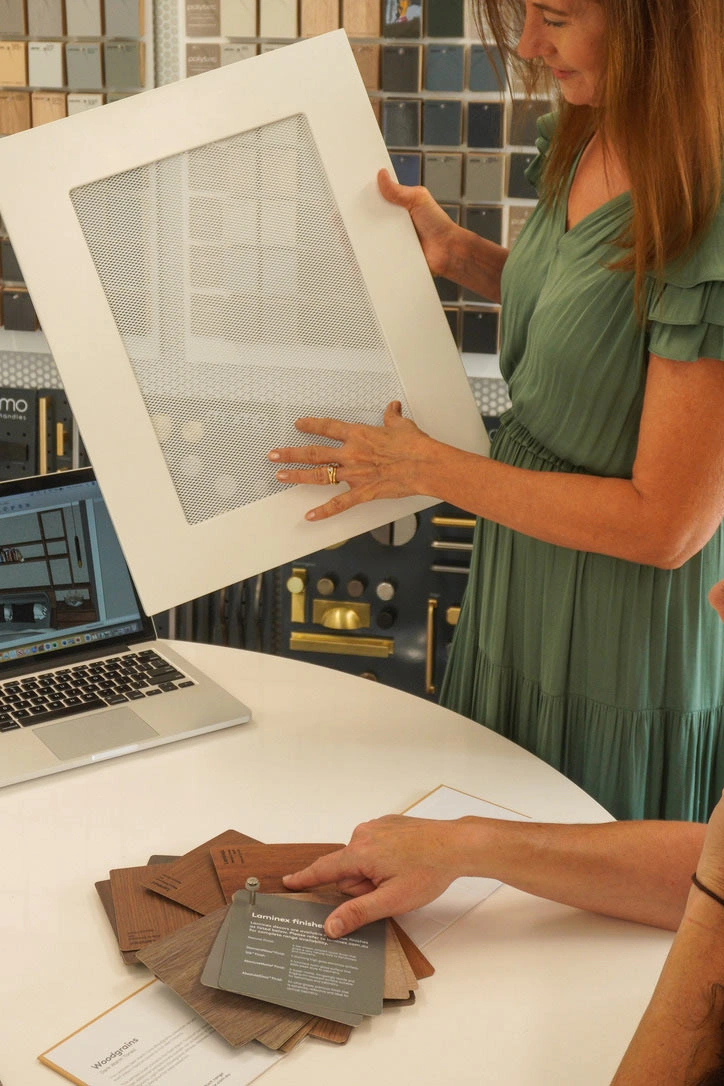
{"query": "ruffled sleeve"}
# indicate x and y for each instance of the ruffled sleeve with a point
(545, 126)
(686, 317)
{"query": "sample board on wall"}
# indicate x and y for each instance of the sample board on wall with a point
(227, 279)
(449, 118)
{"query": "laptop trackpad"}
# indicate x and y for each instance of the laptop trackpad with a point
(94, 733)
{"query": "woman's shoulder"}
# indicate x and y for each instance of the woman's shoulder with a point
(704, 260)
(686, 315)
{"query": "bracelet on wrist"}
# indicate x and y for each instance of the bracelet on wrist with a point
(705, 890)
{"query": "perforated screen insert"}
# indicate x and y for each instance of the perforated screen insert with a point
(233, 284)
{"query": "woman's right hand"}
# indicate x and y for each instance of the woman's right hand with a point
(434, 227)
(391, 866)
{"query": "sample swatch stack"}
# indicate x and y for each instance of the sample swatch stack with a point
(256, 964)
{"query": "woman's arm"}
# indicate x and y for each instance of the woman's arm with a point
(633, 870)
(450, 251)
(681, 1035)
(662, 516)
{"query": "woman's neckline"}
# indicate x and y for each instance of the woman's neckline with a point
(593, 167)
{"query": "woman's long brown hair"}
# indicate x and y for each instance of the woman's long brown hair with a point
(661, 108)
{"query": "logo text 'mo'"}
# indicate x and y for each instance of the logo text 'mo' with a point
(17, 406)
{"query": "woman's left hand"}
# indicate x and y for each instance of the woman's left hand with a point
(374, 461)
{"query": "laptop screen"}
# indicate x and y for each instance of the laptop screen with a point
(64, 583)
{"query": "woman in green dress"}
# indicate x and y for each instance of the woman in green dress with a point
(583, 635)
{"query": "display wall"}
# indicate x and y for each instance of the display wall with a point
(58, 58)
(436, 91)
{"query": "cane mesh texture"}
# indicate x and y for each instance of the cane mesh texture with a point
(237, 294)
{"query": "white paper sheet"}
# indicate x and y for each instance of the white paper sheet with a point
(424, 924)
(153, 1039)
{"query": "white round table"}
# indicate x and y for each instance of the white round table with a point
(526, 992)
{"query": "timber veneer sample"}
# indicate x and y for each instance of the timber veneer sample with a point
(143, 917)
(192, 880)
(14, 112)
(47, 106)
(361, 18)
(368, 62)
(13, 63)
(234, 864)
(178, 961)
(318, 17)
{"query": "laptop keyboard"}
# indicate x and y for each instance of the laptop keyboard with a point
(85, 687)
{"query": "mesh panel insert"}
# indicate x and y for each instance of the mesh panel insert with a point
(235, 289)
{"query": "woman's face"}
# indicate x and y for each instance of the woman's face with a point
(569, 36)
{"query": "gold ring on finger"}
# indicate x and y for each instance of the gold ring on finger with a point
(332, 474)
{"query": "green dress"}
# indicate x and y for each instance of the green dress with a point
(612, 672)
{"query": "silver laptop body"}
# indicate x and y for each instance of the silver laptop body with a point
(83, 676)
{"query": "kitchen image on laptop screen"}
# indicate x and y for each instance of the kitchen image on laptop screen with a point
(63, 578)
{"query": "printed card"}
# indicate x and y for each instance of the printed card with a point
(276, 950)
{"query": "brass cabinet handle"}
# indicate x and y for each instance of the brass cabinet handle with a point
(452, 522)
(43, 402)
(430, 647)
(451, 545)
(297, 588)
(341, 614)
(341, 645)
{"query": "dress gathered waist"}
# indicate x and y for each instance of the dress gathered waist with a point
(514, 444)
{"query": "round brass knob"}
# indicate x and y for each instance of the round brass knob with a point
(295, 584)
(356, 587)
(326, 586)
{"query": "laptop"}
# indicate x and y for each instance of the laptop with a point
(83, 676)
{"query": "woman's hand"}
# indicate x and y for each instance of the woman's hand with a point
(374, 461)
(434, 227)
(391, 866)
